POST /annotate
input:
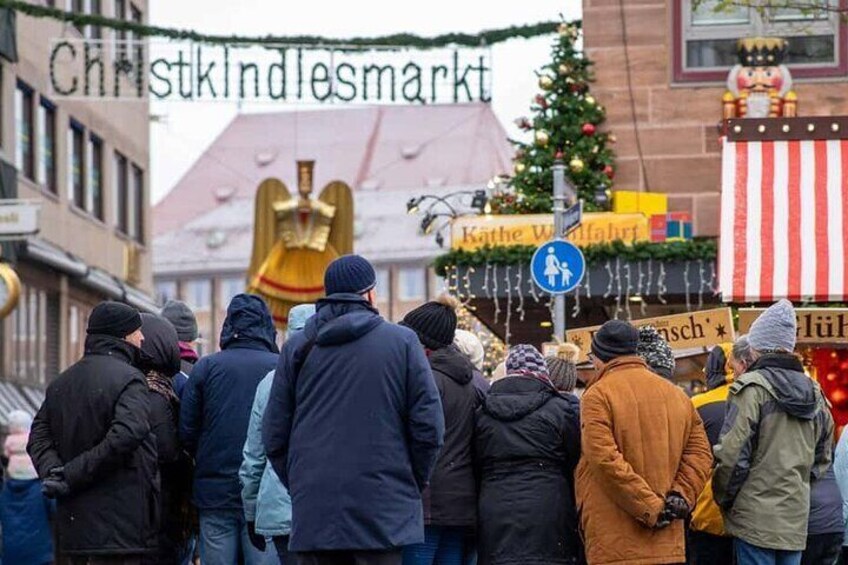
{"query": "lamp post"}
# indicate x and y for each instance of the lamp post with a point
(563, 197)
(479, 202)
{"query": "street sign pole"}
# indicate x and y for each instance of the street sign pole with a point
(559, 218)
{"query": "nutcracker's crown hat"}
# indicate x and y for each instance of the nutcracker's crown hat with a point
(761, 51)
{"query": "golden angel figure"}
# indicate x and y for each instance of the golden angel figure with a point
(295, 239)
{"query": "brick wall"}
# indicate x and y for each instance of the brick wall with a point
(677, 124)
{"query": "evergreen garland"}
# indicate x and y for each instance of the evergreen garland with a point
(667, 252)
(398, 40)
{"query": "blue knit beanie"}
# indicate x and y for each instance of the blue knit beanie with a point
(351, 274)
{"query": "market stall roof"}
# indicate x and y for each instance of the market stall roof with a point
(784, 210)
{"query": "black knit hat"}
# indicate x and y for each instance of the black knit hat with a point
(656, 351)
(182, 318)
(113, 319)
(434, 322)
(351, 274)
(615, 339)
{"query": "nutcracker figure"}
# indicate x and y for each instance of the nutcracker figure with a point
(760, 86)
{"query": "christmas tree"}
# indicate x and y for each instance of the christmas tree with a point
(565, 123)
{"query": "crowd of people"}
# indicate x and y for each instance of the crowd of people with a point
(362, 442)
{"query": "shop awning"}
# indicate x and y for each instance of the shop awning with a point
(98, 280)
(18, 397)
(784, 210)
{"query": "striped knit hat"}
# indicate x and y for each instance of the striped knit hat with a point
(525, 360)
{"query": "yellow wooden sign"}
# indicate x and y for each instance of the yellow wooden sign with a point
(815, 325)
(682, 331)
(473, 232)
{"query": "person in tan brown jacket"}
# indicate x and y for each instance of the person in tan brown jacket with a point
(645, 457)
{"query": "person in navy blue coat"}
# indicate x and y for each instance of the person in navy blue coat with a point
(353, 427)
(214, 414)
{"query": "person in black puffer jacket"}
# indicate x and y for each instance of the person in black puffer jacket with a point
(527, 445)
(93, 449)
(160, 361)
(450, 502)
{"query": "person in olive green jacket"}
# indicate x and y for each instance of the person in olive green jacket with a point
(777, 437)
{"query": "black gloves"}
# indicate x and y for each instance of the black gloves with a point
(258, 541)
(55, 485)
(676, 508)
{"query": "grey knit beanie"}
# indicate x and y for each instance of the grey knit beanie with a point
(775, 329)
(562, 367)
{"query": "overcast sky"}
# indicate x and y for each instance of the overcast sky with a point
(183, 130)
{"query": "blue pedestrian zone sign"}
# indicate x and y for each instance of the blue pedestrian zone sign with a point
(558, 266)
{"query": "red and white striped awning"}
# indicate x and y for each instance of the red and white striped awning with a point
(783, 210)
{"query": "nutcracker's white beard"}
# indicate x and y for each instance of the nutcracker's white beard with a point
(759, 105)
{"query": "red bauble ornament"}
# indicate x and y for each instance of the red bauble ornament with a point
(609, 172)
(588, 129)
(541, 101)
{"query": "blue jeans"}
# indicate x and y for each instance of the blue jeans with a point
(747, 554)
(442, 546)
(223, 537)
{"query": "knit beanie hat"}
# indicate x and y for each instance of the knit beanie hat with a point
(527, 361)
(470, 346)
(182, 318)
(615, 339)
(351, 274)
(562, 367)
(434, 322)
(113, 319)
(775, 329)
(656, 351)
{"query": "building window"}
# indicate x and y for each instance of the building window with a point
(26, 131)
(229, 287)
(94, 203)
(77, 322)
(383, 288)
(78, 7)
(411, 284)
(94, 8)
(137, 204)
(705, 39)
(197, 293)
(27, 330)
(47, 135)
(138, 51)
(165, 291)
(120, 34)
(76, 158)
(122, 189)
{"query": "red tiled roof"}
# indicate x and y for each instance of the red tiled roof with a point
(370, 148)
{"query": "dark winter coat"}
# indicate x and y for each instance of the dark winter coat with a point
(160, 360)
(825, 506)
(355, 435)
(451, 498)
(527, 447)
(25, 522)
(218, 397)
(95, 421)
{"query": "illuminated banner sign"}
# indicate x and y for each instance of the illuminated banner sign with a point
(682, 331)
(815, 325)
(138, 70)
(473, 232)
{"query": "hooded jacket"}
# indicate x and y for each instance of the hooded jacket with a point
(25, 521)
(95, 421)
(641, 439)
(840, 468)
(706, 516)
(353, 427)
(451, 498)
(777, 436)
(527, 443)
(217, 400)
(160, 361)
